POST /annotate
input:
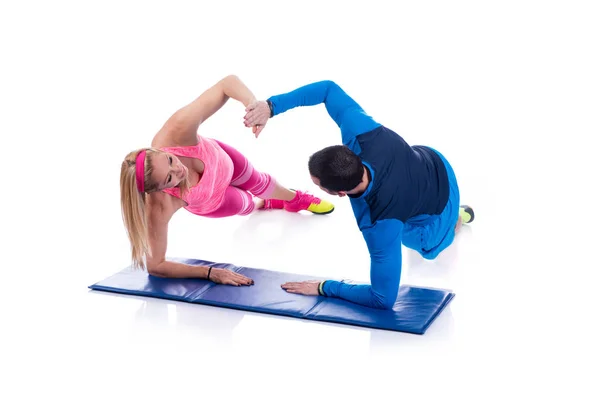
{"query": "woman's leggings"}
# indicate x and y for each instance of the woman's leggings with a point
(246, 181)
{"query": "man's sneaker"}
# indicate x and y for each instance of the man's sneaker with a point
(467, 214)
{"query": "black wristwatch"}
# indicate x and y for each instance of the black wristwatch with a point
(270, 108)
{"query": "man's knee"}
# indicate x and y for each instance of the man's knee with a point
(429, 255)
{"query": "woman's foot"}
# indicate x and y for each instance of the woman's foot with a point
(259, 203)
(308, 202)
(272, 204)
(302, 201)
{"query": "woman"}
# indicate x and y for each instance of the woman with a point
(182, 169)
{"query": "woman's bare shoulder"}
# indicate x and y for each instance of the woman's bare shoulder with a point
(162, 205)
(173, 135)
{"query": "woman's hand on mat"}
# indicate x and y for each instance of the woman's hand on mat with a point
(307, 288)
(226, 277)
(257, 115)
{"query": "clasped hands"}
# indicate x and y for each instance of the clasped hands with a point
(257, 114)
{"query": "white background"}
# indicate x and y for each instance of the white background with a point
(508, 91)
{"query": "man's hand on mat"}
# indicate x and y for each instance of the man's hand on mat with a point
(308, 288)
(226, 277)
(257, 115)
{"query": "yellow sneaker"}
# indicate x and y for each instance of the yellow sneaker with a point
(308, 202)
(467, 214)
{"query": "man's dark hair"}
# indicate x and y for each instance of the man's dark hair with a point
(337, 168)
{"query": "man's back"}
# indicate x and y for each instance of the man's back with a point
(406, 181)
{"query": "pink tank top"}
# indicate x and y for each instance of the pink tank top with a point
(209, 193)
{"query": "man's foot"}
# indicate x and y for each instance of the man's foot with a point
(467, 214)
(308, 202)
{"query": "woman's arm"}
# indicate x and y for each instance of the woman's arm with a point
(159, 215)
(183, 124)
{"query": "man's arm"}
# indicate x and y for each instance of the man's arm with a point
(384, 243)
(344, 110)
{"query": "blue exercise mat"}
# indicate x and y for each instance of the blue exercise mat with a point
(415, 309)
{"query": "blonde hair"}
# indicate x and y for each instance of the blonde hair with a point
(133, 204)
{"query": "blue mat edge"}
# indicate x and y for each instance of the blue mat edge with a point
(448, 299)
(215, 304)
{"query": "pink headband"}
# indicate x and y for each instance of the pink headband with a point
(139, 170)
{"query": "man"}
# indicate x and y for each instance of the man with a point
(400, 194)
